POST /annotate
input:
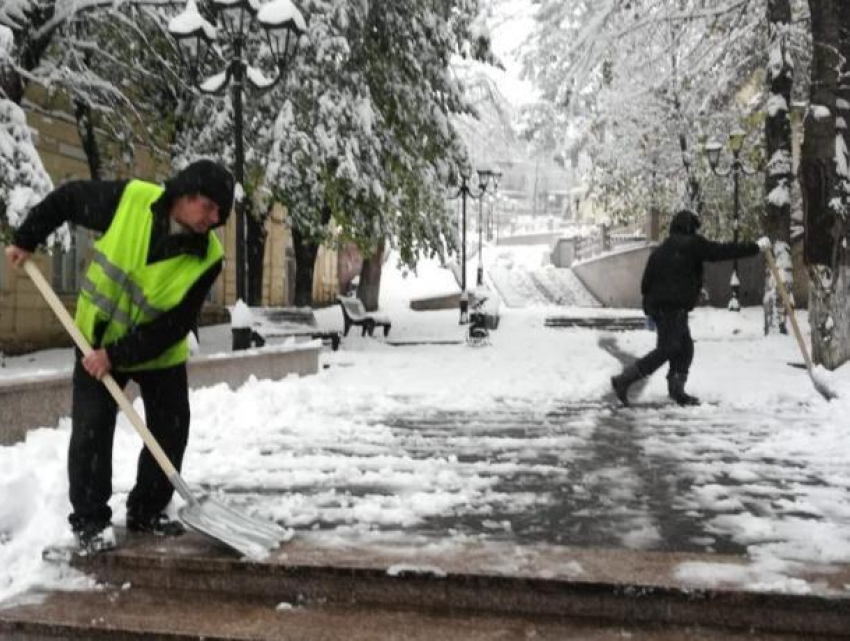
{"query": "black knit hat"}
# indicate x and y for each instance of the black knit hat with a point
(684, 222)
(207, 178)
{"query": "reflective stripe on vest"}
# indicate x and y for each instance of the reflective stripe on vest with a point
(121, 290)
(123, 281)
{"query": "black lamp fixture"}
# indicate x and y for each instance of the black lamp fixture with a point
(201, 45)
(712, 149)
(485, 179)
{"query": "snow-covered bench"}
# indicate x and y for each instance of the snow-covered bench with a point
(353, 313)
(253, 326)
(283, 322)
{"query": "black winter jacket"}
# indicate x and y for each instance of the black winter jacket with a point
(92, 204)
(673, 275)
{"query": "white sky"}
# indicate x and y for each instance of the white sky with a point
(510, 25)
(766, 458)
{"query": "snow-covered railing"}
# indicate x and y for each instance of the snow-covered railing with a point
(605, 240)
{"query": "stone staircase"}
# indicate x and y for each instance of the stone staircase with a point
(320, 587)
(520, 287)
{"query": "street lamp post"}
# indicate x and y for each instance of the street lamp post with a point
(485, 176)
(283, 25)
(735, 168)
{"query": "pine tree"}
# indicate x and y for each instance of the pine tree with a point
(23, 179)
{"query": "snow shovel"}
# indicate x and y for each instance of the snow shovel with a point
(253, 538)
(820, 386)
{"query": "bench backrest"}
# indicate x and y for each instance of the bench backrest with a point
(284, 316)
(353, 307)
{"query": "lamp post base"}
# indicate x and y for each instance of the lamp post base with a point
(464, 308)
(734, 305)
(735, 284)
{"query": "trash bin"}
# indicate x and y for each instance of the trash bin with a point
(246, 338)
(241, 338)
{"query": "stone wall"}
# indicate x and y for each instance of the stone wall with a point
(564, 252)
(542, 238)
(26, 322)
(42, 401)
(614, 279)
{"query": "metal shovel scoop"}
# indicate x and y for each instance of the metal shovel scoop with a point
(253, 538)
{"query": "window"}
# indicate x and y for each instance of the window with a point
(68, 265)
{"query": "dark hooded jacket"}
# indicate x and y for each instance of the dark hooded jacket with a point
(92, 204)
(673, 275)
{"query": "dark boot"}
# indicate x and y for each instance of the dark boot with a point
(94, 539)
(622, 381)
(158, 524)
(676, 389)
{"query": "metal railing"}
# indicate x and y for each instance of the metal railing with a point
(605, 239)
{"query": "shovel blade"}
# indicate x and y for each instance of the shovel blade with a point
(822, 387)
(253, 538)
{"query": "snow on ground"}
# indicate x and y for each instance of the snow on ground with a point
(764, 464)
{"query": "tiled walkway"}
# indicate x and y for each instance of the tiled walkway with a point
(652, 477)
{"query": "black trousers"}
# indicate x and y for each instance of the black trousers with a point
(674, 346)
(165, 393)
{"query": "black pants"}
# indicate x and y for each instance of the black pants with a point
(674, 345)
(165, 394)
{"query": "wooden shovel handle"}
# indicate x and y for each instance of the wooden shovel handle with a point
(788, 308)
(117, 393)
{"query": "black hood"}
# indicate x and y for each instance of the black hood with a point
(207, 178)
(684, 222)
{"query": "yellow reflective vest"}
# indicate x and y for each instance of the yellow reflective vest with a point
(122, 290)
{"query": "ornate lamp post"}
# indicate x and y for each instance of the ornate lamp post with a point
(201, 46)
(485, 179)
(735, 168)
(464, 192)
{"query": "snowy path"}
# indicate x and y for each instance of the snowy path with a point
(579, 474)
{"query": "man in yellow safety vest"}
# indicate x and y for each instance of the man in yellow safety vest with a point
(151, 271)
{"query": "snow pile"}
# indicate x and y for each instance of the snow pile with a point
(241, 315)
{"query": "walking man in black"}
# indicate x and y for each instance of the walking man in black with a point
(671, 285)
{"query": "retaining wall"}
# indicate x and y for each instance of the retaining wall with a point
(614, 279)
(41, 401)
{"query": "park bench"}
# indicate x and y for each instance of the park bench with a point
(353, 313)
(284, 322)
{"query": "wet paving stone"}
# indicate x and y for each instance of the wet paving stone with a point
(592, 474)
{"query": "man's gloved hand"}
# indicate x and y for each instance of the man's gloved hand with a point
(764, 243)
